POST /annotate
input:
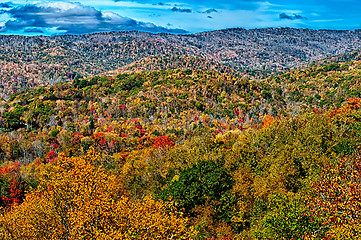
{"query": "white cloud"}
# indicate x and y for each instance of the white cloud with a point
(73, 18)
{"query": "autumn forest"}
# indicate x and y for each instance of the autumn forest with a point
(179, 144)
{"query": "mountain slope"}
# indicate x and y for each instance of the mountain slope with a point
(169, 62)
(31, 61)
(237, 156)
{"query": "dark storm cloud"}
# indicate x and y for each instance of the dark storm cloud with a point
(6, 5)
(74, 18)
(291, 17)
(211, 10)
(184, 10)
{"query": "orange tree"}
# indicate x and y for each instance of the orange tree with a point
(76, 199)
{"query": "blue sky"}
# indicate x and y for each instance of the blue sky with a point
(28, 17)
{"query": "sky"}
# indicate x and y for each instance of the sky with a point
(27, 17)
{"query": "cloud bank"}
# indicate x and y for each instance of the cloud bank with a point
(71, 18)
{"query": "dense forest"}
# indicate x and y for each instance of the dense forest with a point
(173, 62)
(184, 154)
(28, 62)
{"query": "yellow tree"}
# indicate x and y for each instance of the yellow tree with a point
(78, 200)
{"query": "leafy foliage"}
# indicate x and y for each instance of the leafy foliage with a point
(78, 200)
(234, 158)
(337, 199)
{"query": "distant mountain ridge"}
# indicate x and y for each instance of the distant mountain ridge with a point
(168, 62)
(27, 62)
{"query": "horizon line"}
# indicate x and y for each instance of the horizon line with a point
(181, 34)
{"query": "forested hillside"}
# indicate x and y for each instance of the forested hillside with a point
(27, 62)
(184, 154)
(172, 62)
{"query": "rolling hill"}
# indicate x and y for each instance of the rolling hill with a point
(32, 61)
(248, 153)
(135, 135)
